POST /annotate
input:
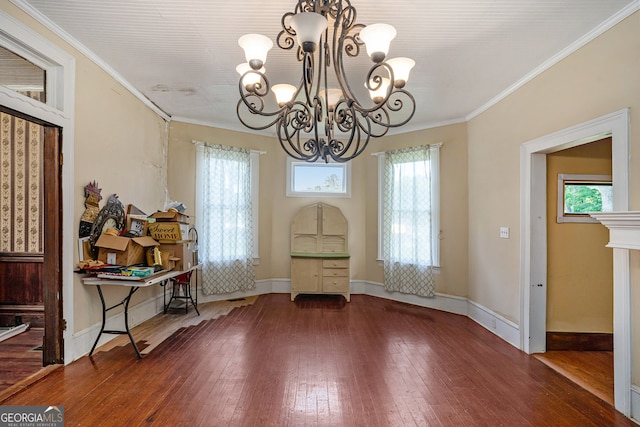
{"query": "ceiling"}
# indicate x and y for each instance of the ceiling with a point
(182, 54)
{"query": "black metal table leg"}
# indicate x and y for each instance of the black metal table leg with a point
(187, 296)
(125, 303)
(195, 304)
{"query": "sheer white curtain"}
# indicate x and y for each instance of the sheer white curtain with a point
(407, 231)
(225, 221)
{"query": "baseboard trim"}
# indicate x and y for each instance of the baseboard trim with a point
(493, 322)
(443, 302)
(579, 341)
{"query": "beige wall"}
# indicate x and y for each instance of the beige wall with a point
(579, 265)
(598, 79)
(122, 145)
(277, 210)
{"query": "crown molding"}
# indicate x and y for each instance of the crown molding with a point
(582, 41)
(54, 28)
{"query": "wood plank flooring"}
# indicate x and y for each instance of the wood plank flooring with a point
(320, 361)
(592, 370)
(19, 356)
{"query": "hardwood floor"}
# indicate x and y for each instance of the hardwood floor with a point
(318, 361)
(21, 357)
(592, 370)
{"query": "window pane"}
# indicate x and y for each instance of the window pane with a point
(318, 178)
(410, 214)
(583, 197)
(20, 75)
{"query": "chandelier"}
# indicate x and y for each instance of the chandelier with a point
(323, 118)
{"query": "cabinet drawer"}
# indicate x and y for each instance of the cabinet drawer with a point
(335, 272)
(336, 263)
(335, 284)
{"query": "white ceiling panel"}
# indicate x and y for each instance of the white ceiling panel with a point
(182, 54)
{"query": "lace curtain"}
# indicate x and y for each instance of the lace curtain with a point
(226, 225)
(407, 250)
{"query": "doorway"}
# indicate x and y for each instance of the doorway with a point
(534, 239)
(579, 340)
(31, 220)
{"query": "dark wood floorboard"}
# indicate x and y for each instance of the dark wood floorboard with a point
(320, 361)
(19, 359)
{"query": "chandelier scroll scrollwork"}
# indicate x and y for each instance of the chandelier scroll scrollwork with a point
(322, 117)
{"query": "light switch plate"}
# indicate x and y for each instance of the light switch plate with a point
(504, 232)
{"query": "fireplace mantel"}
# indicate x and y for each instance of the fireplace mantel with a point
(624, 228)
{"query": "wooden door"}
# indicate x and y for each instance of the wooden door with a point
(30, 220)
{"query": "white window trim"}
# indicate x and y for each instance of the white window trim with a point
(434, 159)
(291, 162)
(58, 65)
(562, 177)
(254, 158)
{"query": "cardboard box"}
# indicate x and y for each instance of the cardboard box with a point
(169, 232)
(123, 251)
(170, 217)
(181, 253)
(137, 225)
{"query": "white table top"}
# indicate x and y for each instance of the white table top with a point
(156, 278)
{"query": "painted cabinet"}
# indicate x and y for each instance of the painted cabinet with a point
(319, 256)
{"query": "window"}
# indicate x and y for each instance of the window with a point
(306, 179)
(580, 194)
(410, 223)
(20, 75)
(409, 219)
(226, 209)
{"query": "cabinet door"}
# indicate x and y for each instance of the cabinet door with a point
(306, 274)
(333, 222)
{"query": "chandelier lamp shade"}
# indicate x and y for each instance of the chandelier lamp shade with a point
(322, 118)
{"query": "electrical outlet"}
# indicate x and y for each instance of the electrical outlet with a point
(504, 232)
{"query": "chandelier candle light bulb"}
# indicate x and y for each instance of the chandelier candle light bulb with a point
(256, 47)
(309, 27)
(378, 90)
(249, 80)
(333, 98)
(401, 69)
(284, 93)
(377, 38)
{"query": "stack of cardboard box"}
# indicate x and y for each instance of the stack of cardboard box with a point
(171, 230)
(168, 231)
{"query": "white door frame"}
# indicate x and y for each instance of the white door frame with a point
(533, 245)
(59, 110)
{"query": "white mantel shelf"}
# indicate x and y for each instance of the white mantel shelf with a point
(624, 228)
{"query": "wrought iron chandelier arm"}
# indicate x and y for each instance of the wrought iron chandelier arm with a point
(345, 39)
(253, 99)
(394, 104)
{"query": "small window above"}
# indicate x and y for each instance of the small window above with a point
(21, 76)
(318, 179)
(578, 195)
